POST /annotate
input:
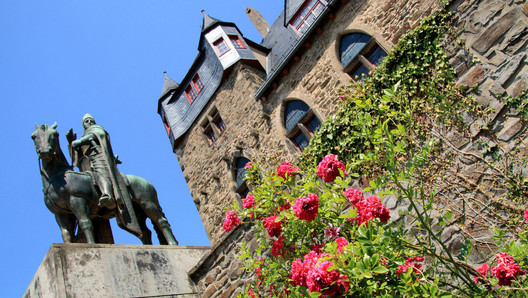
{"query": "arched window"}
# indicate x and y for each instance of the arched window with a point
(240, 174)
(359, 54)
(300, 122)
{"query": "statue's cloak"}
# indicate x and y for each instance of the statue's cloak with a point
(125, 216)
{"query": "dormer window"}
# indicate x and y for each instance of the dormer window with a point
(195, 86)
(221, 46)
(306, 15)
(237, 42)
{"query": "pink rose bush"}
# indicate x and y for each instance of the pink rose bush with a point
(308, 244)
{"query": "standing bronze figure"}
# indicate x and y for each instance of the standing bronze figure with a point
(74, 197)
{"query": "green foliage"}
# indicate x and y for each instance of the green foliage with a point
(412, 83)
(520, 103)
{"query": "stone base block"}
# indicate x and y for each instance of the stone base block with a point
(107, 270)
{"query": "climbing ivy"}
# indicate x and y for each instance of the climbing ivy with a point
(419, 67)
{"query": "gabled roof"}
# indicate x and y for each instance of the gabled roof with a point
(168, 85)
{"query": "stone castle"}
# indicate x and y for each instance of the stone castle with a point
(242, 100)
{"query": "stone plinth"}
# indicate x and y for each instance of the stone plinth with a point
(105, 270)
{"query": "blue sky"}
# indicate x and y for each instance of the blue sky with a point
(61, 59)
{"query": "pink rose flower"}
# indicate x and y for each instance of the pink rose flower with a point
(251, 293)
(231, 221)
(274, 228)
(328, 168)
(331, 233)
(306, 208)
(286, 169)
(248, 165)
(276, 247)
(526, 216)
(411, 262)
(370, 208)
(482, 270)
(506, 270)
(249, 201)
(341, 243)
(353, 195)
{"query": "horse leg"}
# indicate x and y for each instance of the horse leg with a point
(80, 208)
(146, 238)
(161, 238)
(67, 223)
(159, 220)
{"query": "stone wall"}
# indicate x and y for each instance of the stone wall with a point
(218, 274)
(208, 167)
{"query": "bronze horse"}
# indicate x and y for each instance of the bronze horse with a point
(73, 198)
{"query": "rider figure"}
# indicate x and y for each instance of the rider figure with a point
(95, 144)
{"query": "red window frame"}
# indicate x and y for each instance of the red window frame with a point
(198, 83)
(237, 42)
(300, 21)
(191, 93)
(166, 124)
(221, 46)
(193, 89)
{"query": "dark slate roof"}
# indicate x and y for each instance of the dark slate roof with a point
(284, 43)
(290, 8)
(208, 22)
(179, 112)
(280, 40)
(168, 85)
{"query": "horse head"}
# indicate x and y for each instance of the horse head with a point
(46, 140)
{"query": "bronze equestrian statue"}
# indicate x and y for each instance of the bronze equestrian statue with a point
(74, 197)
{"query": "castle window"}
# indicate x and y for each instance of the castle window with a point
(237, 42)
(193, 89)
(300, 123)
(360, 54)
(213, 125)
(306, 15)
(166, 124)
(221, 46)
(197, 82)
(240, 173)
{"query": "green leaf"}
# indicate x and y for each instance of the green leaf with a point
(380, 270)
(448, 215)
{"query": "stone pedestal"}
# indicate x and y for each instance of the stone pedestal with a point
(105, 270)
